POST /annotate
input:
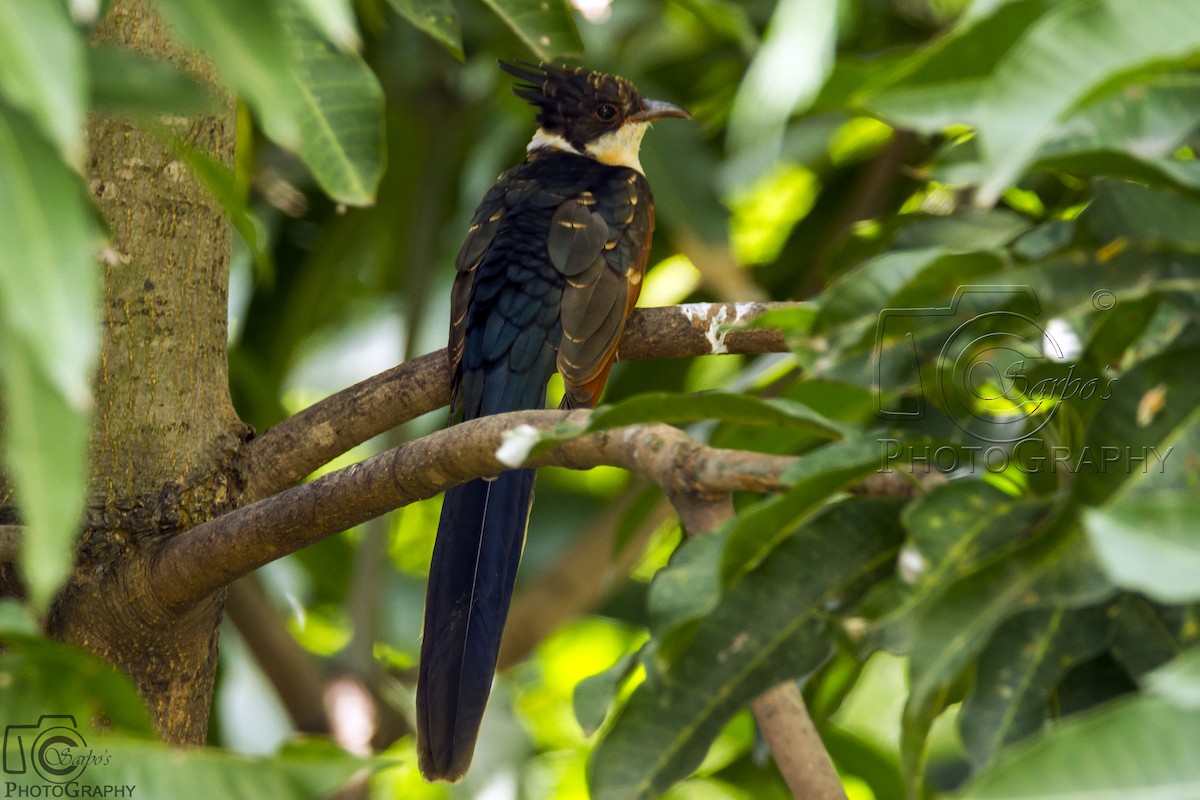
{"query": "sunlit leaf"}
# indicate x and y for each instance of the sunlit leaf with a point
(1095, 757)
(1148, 543)
(340, 115)
(1070, 52)
(335, 19)
(245, 40)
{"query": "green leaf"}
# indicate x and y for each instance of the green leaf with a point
(1018, 671)
(49, 335)
(125, 82)
(813, 478)
(1147, 635)
(595, 694)
(799, 42)
(1056, 568)
(1139, 748)
(745, 409)
(1071, 52)
(41, 676)
(245, 40)
(340, 115)
(1179, 681)
(953, 530)
(766, 629)
(900, 279)
(690, 586)
(1148, 543)
(335, 20)
(437, 18)
(545, 26)
(1128, 441)
(1143, 214)
(42, 71)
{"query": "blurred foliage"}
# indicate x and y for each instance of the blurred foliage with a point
(993, 208)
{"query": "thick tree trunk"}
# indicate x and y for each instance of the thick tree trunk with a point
(165, 432)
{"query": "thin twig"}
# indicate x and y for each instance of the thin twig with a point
(197, 562)
(313, 437)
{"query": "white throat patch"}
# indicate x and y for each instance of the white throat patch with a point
(618, 148)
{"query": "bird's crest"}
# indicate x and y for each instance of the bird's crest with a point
(574, 102)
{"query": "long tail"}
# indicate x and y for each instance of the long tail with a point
(475, 558)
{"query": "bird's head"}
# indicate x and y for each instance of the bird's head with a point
(589, 113)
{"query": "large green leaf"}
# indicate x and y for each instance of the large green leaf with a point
(437, 18)
(49, 332)
(245, 40)
(42, 70)
(1056, 568)
(952, 531)
(41, 676)
(1070, 52)
(1018, 671)
(768, 628)
(1148, 543)
(340, 115)
(813, 478)
(335, 19)
(1138, 748)
(545, 26)
(799, 44)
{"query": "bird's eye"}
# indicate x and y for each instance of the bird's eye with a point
(606, 111)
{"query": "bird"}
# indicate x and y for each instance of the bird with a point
(549, 271)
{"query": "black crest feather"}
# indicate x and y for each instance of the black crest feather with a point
(567, 98)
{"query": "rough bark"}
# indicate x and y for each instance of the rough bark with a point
(164, 430)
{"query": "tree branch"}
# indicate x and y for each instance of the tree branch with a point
(300, 444)
(197, 562)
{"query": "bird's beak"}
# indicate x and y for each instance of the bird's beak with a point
(658, 109)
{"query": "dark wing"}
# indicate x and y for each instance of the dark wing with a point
(600, 243)
(484, 225)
